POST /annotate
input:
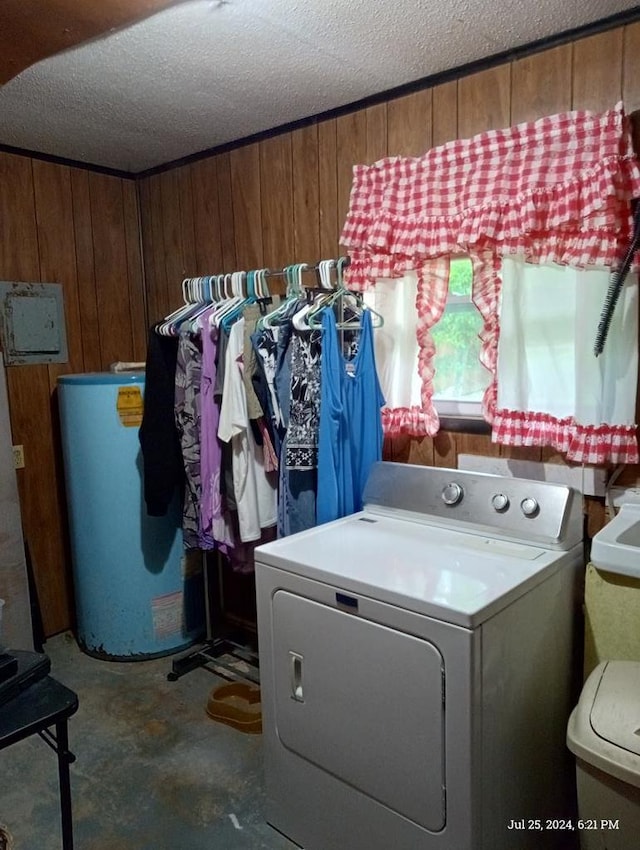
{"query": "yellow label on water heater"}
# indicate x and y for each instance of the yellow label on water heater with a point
(130, 406)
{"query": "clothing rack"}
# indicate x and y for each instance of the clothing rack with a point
(227, 652)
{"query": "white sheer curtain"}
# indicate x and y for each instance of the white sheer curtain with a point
(396, 342)
(548, 320)
(410, 305)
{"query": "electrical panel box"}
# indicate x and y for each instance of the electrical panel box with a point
(32, 323)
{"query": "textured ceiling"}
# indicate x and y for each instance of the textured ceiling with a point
(205, 72)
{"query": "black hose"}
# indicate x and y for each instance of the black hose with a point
(618, 278)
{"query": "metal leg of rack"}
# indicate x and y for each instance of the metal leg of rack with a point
(226, 654)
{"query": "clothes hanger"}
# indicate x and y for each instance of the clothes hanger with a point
(231, 285)
(194, 324)
(338, 297)
(240, 287)
(299, 318)
(294, 292)
(169, 326)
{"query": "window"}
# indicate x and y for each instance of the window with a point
(404, 348)
(460, 380)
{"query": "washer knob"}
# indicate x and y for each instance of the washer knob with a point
(529, 507)
(452, 493)
(500, 502)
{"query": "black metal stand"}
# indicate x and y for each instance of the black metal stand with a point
(227, 654)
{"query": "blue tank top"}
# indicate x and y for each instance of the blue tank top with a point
(350, 435)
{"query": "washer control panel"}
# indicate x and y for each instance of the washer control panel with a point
(514, 508)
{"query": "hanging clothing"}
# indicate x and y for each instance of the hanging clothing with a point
(163, 474)
(187, 413)
(304, 409)
(255, 491)
(350, 435)
(250, 314)
(214, 522)
(256, 450)
(298, 478)
(265, 343)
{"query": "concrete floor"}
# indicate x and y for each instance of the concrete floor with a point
(153, 771)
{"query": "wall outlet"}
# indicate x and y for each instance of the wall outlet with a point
(18, 457)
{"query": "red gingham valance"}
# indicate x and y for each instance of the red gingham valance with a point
(555, 190)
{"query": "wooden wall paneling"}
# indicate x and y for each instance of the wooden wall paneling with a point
(110, 261)
(445, 450)
(56, 241)
(175, 262)
(149, 254)
(476, 444)
(404, 449)
(484, 101)
(541, 84)
(422, 451)
(631, 68)
(396, 448)
(597, 71)
(206, 216)
(57, 249)
(18, 235)
(57, 253)
(444, 113)
(150, 193)
(247, 217)
(135, 274)
(596, 517)
(306, 194)
(409, 130)
(276, 200)
(227, 227)
(187, 224)
(351, 149)
(388, 448)
(328, 185)
(550, 455)
(29, 395)
(521, 452)
(377, 146)
(40, 488)
(87, 300)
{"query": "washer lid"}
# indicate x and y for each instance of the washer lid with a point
(453, 576)
(615, 714)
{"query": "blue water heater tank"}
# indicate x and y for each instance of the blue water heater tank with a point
(137, 594)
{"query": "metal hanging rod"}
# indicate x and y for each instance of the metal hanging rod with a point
(306, 267)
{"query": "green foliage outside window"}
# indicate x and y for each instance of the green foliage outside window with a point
(459, 375)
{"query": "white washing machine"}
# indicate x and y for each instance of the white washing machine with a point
(418, 666)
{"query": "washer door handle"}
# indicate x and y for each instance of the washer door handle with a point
(295, 676)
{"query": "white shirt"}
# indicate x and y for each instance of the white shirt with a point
(255, 492)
